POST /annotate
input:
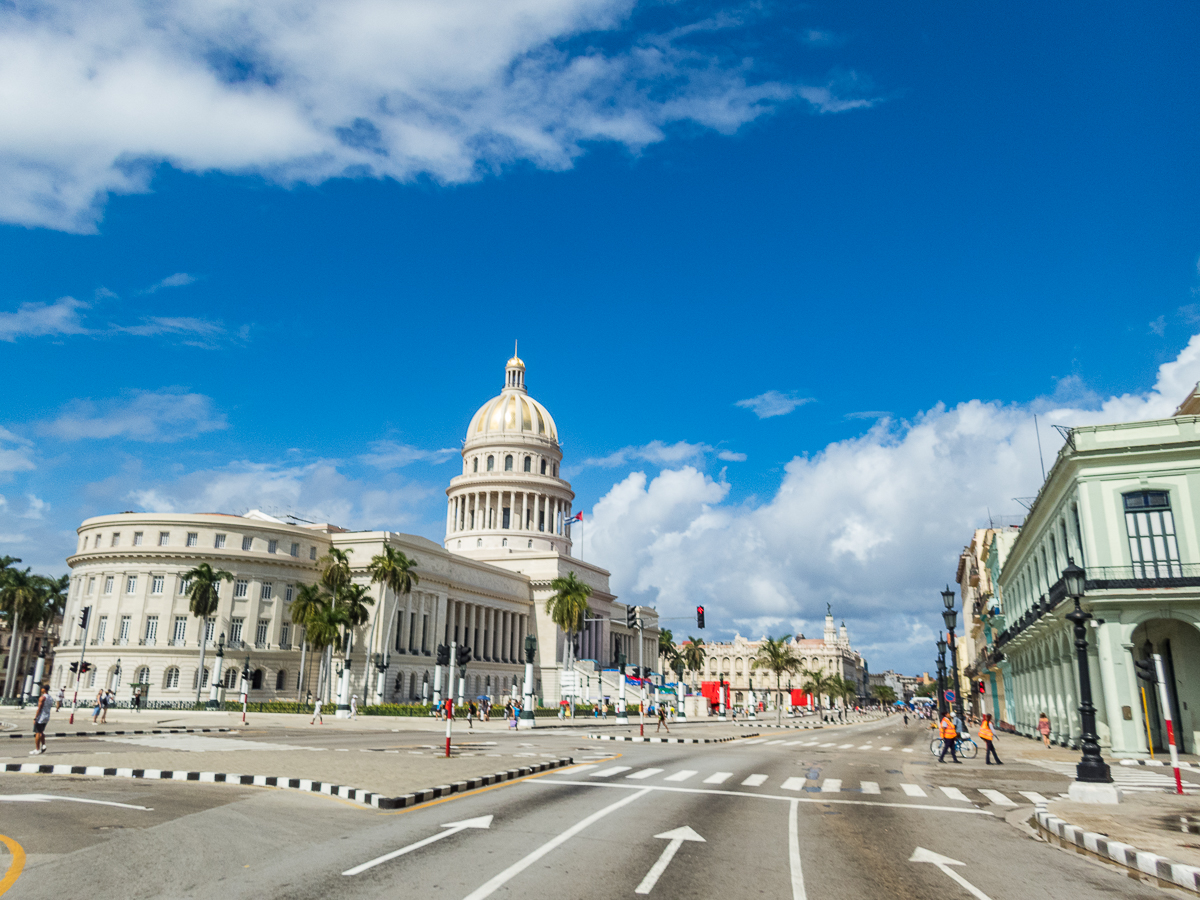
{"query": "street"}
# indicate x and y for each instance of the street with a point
(860, 811)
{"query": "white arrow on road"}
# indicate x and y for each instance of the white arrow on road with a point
(451, 828)
(676, 837)
(921, 855)
(43, 798)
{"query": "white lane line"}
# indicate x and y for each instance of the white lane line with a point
(996, 797)
(913, 790)
(954, 794)
(795, 783)
(866, 747)
(754, 741)
(1034, 796)
(718, 777)
(488, 888)
(575, 770)
(754, 780)
(906, 750)
(870, 787)
(826, 745)
(845, 746)
(885, 748)
(644, 773)
(609, 772)
(798, 892)
(455, 828)
(810, 744)
(791, 743)
(831, 785)
(682, 775)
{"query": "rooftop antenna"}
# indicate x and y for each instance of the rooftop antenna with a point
(1038, 432)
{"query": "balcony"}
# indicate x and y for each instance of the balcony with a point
(1143, 576)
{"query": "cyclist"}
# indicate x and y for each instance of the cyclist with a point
(949, 736)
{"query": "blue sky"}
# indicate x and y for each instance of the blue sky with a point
(242, 274)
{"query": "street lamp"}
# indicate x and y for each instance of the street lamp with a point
(941, 673)
(950, 617)
(530, 652)
(1092, 769)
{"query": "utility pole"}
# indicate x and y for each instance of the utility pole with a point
(85, 617)
(450, 711)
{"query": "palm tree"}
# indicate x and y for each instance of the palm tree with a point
(816, 682)
(884, 693)
(353, 600)
(309, 598)
(204, 595)
(693, 655)
(393, 571)
(776, 655)
(19, 603)
(567, 608)
(335, 569)
(321, 630)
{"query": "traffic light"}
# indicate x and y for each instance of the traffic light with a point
(981, 687)
(84, 667)
(443, 654)
(84, 615)
(631, 617)
(699, 616)
(463, 655)
(1145, 670)
(621, 661)
(75, 667)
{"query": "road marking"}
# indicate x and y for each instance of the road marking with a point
(718, 777)
(612, 770)
(811, 744)
(913, 790)
(826, 745)
(487, 889)
(921, 855)
(790, 743)
(575, 770)
(885, 748)
(795, 783)
(798, 892)
(644, 773)
(906, 750)
(43, 798)
(845, 746)
(996, 797)
(754, 780)
(954, 794)
(870, 787)
(831, 785)
(769, 743)
(15, 867)
(454, 828)
(866, 747)
(754, 741)
(1034, 796)
(682, 775)
(676, 837)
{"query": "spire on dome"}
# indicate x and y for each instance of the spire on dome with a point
(514, 373)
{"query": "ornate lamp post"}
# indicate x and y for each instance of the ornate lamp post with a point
(1092, 769)
(941, 674)
(527, 708)
(950, 617)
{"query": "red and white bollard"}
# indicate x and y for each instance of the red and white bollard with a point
(1165, 699)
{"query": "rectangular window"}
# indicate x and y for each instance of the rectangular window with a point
(116, 538)
(241, 588)
(131, 584)
(210, 626)
(1153, 549)
(425, 634)
(541, 520)
(108, 584)
(91, 585)
(412, 633)
(285, 634)
(101, 627)
(247, 543)
(506, 517)
(260, 633)
(193, 538)
(287, 594)
(180, 634)
(137, 538)
(272, 546)
(164, 538)
(85, 540)
(312, 552)
(157, 584)
(123, 634)
(185, 585)
(219, 542)
(235, 631)
(265, 591)
(151, 630)
(295, 549)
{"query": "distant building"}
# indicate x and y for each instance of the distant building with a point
(979, 565)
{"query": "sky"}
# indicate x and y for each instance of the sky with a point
(792, 278)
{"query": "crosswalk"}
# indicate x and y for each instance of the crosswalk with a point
(800, 783)
(1131, 780)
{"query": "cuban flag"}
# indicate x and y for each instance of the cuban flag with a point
(578, 517)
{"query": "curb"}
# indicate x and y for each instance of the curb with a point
(61, 734)
(357, 795)
(1158, 762)
(1159, 867)
(658, 740)
(765, 725)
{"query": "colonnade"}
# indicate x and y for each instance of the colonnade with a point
(494, 635)
(527, 511)
(1044, 677)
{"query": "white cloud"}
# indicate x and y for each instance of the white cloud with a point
(41, 319)
(731, 456)
(655, 452)
(1159, 326)
(95, 97)
(15, 453)
(394, 455)
(872, 525)
(35, 507)
(773, 403)
(179, 279)
(62, 317)
(161, 416)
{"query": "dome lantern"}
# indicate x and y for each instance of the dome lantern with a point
(514, 373)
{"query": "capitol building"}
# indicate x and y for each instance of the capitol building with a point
(508, 536)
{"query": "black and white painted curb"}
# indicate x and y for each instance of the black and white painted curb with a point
(62, 734)
(356, 795)
(1158, 762)
(1172, 873)
(769, 725)
(660, 740)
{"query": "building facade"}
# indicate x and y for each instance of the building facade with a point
(979, 567)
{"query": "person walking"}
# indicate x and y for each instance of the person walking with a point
(62, 697)
(1043, 726)
(137, 699)
(470, 715)
(354, 706)
(906, 718)
(96, 709)
(987, 736)
(662, 719)
(317, 718)
(40, 717)
(949, 734)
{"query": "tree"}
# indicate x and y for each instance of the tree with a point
(776, 655)
(393, 571)
(843, 688)
(353, 600)
(817, 683)
(19, 603)
(693, 654)
(884, 693)
(568, 607)
(204, 596)
(322, 630)
(667, 649)
(926, 690)
(309, 598)
(335, 569)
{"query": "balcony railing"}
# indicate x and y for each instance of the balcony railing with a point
(1143, 576)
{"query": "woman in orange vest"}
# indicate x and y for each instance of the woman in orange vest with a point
(987, 736)
(948, 734)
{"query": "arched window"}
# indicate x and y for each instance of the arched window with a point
(479, 542)
(508, 463)
(143, 675)
(195, 675)
(491, 463)
(475, 464)
(280, 679)
(171, 681)
(504, 542)
(556, 470)
(256, 680)
(530, 545)
(543, 467)
(231, 677)
(528, 463)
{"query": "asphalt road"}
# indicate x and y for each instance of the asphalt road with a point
(778, 816)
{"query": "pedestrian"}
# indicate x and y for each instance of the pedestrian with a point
(948, 734)
(62, 697)
(470, 715)
(40, 717)
(906, 718)
(137, 699)
(662, 719)
(106, 700)
(354, 706)
(1043, 726)
(987, 736)
(317, 718)
(96, 708)
(516, 714)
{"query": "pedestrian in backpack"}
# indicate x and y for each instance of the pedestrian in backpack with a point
(987, 736)
(40, 717)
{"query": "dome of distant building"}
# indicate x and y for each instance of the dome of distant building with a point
(513, 412)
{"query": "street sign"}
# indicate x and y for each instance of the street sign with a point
(950, 696)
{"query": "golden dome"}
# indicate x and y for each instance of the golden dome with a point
(513, 412)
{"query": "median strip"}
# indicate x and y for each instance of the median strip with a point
(658, 740)
(68, 734)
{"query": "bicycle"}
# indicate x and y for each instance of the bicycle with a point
(964, 746)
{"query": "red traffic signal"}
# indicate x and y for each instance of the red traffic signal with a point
(84, 667)
(699, 616)
(982, 687)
